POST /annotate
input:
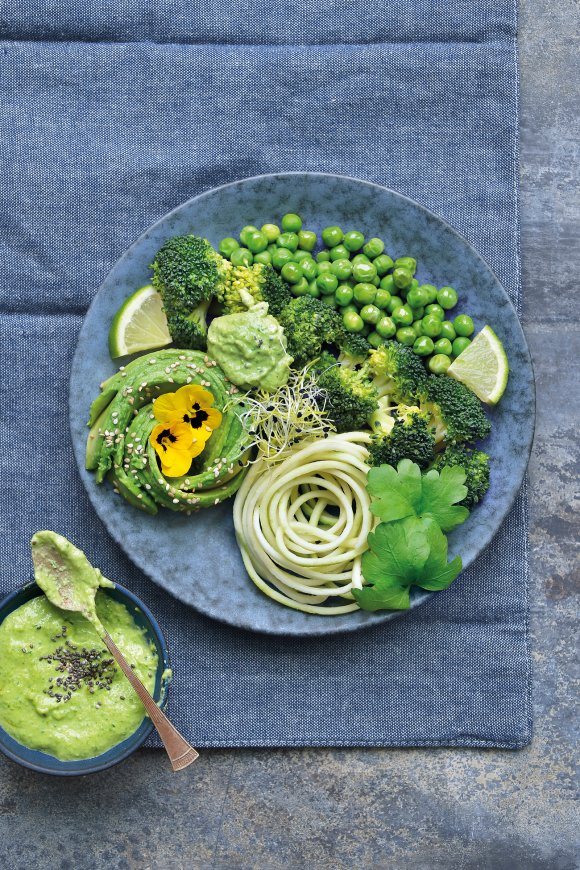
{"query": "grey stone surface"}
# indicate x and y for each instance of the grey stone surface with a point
(419, 809)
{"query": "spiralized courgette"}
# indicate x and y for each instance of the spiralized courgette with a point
(302, 524)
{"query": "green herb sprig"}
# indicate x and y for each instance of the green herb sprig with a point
(409, 546)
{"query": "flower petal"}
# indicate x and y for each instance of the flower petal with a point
(214, 418)
(176, 463)
(193, 394)
(169, 407)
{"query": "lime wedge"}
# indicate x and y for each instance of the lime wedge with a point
(139, 324)
(483, 367)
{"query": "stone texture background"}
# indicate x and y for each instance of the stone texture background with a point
(419, 809)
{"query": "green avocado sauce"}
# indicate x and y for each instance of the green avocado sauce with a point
(60, 690)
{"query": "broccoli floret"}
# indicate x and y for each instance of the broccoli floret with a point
(262, 282)
(398, 373)
(475, 463)
(455, 411)
(187, 272)
(309, 325)
(353, 345)
(350, 395)
(189, 331)
(408, 437)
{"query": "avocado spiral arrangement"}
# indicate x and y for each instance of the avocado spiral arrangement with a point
(121, 421)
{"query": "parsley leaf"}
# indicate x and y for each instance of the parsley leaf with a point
(411, 551)
(405, 493)
(441, 492)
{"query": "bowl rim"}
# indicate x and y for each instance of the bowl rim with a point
(96, 767)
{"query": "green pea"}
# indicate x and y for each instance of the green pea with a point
(374, 248)
(418, 313)
(307, 240)
(256, 242)
(439, 364)
(263, 257)
(402, 278)
(271, 248)
(291, 223)
(328, 300)
(435, 310)
(423, 346)
(360, 258)
(299, 255)
(459, 344)
(292, 272)
(405, 335)
(417, 327)
(395, 302)
(281, 256)
(388, 284)
(386, 327)
(382, 298)
(374, 339)
(339, 252)
(431, 326)
(463, 325)
(447, 298)
(327, 283)
(448, 330)
(342, 269)
(332, 236)
(323, 257)
(443, 345)
(353, 322)
(249, 228)
(301, 288)
(353, 240)
(227, 246)
(242, 257)
(413, 285)
(431, 291)
(343, 295)
(325, 266)
(416, 297)
(363, 272)
(382, 264)
(309, 268)
(370, 314)
(407, 263)
(403, 315)
(376, 281)
(271, 231)
(288, 240)
(365, 293)
(313, 290)
(349, 309)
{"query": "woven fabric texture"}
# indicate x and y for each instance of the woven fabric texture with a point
(114, 113)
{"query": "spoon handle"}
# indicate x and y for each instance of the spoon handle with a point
(180, 753)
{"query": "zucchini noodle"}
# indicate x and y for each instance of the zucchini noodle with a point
(302, 524)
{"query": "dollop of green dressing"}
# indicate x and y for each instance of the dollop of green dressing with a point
(250, 348)
(66, 576)
(60, 690)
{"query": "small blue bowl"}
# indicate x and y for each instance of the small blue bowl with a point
(44, 763)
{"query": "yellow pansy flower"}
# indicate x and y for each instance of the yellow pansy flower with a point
(192, 405)
(176, 444)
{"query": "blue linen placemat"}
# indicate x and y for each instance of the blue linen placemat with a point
(113, 116)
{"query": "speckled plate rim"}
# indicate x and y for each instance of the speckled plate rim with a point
(333, 625)
(42, 762)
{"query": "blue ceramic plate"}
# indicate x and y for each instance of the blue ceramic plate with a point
(196, 558)
(44, 763)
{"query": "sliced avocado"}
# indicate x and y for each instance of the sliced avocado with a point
(132, 493)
